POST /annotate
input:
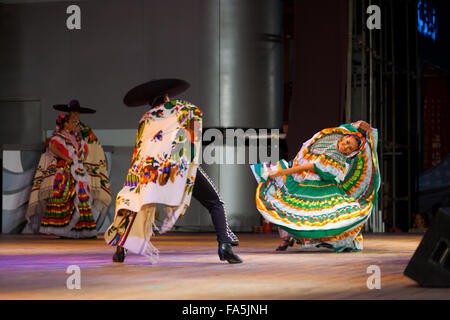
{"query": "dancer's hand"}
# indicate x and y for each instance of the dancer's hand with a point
(296, 170)
(364, 125)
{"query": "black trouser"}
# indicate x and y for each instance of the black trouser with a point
(208, 196)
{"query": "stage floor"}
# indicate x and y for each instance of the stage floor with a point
(34, 267)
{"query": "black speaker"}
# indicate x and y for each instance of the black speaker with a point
(430, 264)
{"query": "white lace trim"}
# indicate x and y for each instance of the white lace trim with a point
(339, 176)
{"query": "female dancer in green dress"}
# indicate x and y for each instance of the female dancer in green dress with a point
(326, 194)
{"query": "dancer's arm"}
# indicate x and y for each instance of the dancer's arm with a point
(57, 152)
(363, 125)
(296, 169)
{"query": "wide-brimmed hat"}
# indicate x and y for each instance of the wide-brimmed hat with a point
(73, 105)
(146, 93)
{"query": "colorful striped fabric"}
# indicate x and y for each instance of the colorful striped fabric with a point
(92, 170)
(68, 211)
(327, 207)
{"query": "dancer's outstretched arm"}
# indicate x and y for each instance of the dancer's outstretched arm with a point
(363, 125)
(296, 169)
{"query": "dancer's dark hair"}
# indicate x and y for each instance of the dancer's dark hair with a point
(157, 101)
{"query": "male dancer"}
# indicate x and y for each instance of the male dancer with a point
(157, 94)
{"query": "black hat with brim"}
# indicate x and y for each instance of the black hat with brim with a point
(146, 93)
(73, 106)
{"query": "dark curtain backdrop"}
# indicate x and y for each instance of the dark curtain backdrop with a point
(436, 117)
(320, 63)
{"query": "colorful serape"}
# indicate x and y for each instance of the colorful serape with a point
(68, 211)
(163, 169)
(44, 179)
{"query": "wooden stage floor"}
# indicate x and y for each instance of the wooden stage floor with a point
(34, 267)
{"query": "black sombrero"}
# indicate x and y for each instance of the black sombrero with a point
(73, 105)
(146, 93)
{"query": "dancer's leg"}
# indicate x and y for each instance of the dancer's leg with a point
(208, 196)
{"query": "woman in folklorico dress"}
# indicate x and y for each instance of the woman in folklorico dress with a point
(43, 185)
(68, 211)
(326, 194)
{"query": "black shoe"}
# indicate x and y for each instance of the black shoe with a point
(325, 245)
(226, 253)
(120, 254)
(287, 243)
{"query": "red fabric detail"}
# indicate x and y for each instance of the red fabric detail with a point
(60, 147)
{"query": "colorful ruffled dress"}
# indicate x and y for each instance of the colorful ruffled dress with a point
(68, 211)
(326, 207)
(44, 179)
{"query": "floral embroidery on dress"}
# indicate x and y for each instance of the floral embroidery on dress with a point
(122, 200)
(158, 136)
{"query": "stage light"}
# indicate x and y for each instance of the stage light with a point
(426, 20)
